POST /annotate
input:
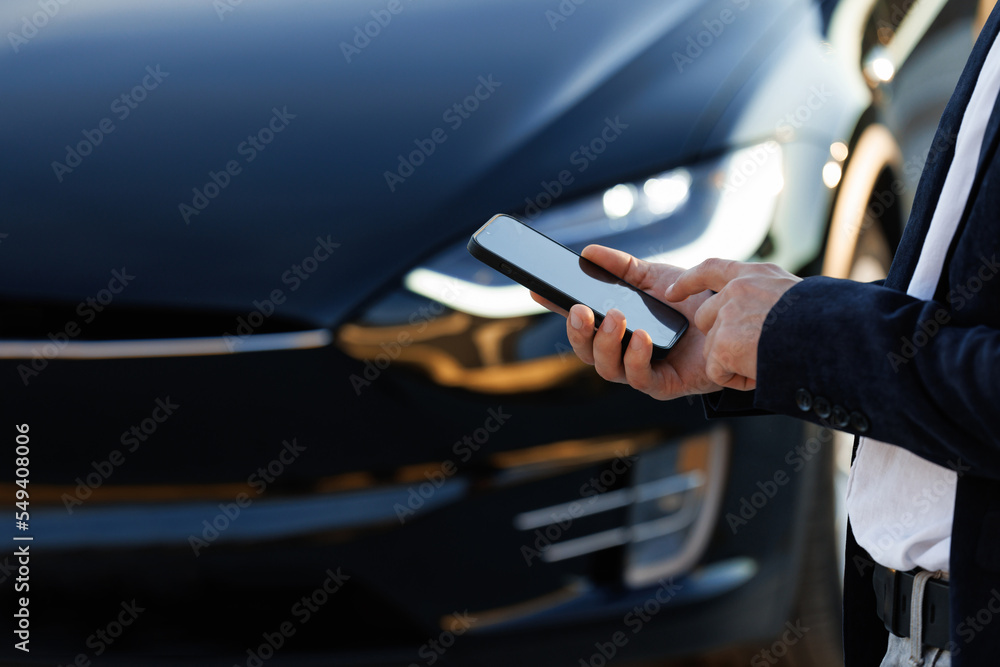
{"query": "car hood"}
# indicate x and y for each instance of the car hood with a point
(116, 116)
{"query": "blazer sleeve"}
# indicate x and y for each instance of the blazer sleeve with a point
(875, 361)
(733, 403)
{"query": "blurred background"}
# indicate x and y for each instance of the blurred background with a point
(273, 412)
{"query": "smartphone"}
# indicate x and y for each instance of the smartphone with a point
(562, 276)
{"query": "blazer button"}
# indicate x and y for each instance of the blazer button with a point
(859, 422)
(804, 400)
(841, 417)
(822, 407)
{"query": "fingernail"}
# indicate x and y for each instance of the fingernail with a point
(575, 320)
(670, 288)
(608, 324)
(635, 343)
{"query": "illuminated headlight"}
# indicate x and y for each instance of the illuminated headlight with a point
(719, 208)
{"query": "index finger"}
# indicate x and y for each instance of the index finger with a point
(712, 274)
(623, 265)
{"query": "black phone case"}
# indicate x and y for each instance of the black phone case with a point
(554, 295)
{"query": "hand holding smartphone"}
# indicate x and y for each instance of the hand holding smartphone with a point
(565, 278)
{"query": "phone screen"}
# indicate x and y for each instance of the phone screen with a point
(522, 250)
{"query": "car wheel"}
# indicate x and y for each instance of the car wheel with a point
(818, 595)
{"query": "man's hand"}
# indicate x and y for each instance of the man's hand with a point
(680, 374)
(732, 319)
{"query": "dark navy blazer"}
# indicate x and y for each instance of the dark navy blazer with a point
(924, 375)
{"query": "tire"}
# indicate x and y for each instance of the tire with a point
(872, 254)
(818, 592)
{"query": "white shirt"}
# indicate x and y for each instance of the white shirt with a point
(900, 505)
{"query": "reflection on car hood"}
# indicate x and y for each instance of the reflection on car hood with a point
(211, 149)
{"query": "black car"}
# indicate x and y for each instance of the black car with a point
(262, 407)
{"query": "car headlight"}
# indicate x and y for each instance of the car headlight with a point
(466, 325)
(718, 208)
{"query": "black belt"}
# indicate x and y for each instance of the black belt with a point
(894, 590)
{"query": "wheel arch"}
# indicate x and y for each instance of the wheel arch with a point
(869, 193)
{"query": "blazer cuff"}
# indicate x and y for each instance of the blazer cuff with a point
(731, 403)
